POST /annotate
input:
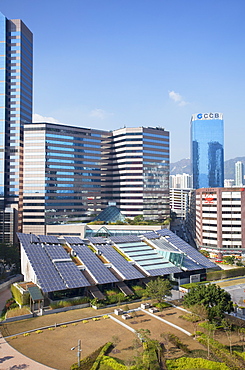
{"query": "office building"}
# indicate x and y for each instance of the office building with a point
(220, 219)
(136, 171)
(71, 174)
(239, 173)
(15, 109)
(207, 150)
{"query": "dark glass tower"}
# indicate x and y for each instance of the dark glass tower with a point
(207, 150)
(15, 108)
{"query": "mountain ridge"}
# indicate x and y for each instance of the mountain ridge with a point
(184, 166)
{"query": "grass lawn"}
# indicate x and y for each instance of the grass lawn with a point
(53, 347)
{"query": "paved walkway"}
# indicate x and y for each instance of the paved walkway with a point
(10, 359)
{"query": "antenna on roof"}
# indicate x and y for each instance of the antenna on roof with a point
(31, 237)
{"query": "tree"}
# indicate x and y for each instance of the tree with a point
(209, 329)
(9, 257)
(216, 300)
(158, 289)
(228, 330)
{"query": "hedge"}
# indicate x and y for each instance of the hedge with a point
(223, 274)
(112, 363)
(185, 363)
(102, 353)
(21, 299)
(233, 361)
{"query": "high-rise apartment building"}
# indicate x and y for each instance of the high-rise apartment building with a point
(72, 173)
(207, 150)
(180, 181)
(239, 173)
(15, 108)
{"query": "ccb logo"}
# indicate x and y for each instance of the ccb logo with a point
(207, 115)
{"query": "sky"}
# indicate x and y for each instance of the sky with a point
(107, 64)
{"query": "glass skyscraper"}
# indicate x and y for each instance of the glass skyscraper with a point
(15, 108)
(207, 150)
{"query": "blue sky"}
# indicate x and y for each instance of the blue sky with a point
(112, 63)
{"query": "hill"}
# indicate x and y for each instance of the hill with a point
(184, 166)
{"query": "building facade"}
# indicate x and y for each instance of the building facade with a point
(179, 201)
(220, 219)
(62, 175)
(136, 171)
(180, 181)
(239, 173)
(15, 109)
(71, 174)
(207, 150)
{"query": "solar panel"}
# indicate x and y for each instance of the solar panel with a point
(186, 248)
(151, 235)
(56, 252)
(94, 265)
(71, 274)
(47, 276)
(97, 240)
(124, 267)
(73, 240)
(48, 239)
(27, 238)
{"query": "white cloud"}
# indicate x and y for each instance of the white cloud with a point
(177, 98)
(38, 118)
(99, 113)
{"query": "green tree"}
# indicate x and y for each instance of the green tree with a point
(9, 257)
(209, 329)
(158, 289)
(216, 300)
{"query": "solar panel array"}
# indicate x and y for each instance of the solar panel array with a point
(94, 265)
(50, 239)
(186, 248)
(97, 240)
(73, 240)
(27, 238)
(125, 239)
(151, 235)
(126, 269)
(56, 252)
(47, 276)
(52, 276)
(164, 245)
(190, 265)
(71, 274)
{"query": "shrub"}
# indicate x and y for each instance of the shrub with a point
(162, 305)
(194, 363)
(103, 351)
(112, 363)
(177, 342)
(217, 275)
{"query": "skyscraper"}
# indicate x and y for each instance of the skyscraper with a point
(15, 108)
(72, 173)
(239, 173)
(207, 150)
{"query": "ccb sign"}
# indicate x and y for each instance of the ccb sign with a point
(208, 115)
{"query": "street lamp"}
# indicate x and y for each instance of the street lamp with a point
(79, 350)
